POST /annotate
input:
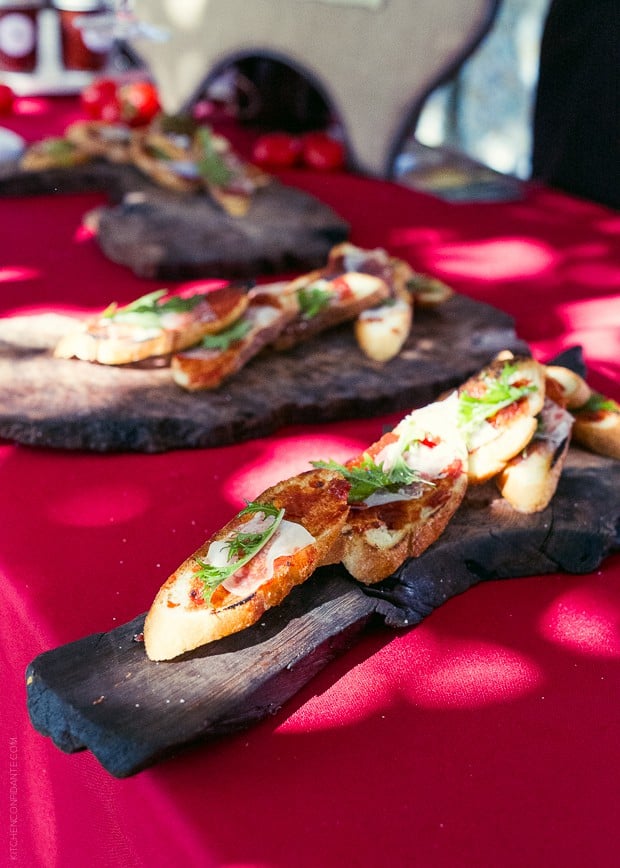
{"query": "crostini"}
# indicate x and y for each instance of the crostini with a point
(275, 543)
(497, 410)
(404, 490)
(154, 325)
(530, 479)
(325, 303)
(221, 355)
(597, 425)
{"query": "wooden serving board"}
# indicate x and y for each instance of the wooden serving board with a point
(165, 235)
(77, 405)
(101, 693)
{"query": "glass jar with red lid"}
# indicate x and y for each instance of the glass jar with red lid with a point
(82, 47)
(19, 34)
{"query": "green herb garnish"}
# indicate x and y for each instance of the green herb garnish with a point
(242, 547)
(313, 299)
(61, 150)
(596, 401)
(500, 393)
(368, 477)
(147, 310)
(211, 164)
(158, 153)
(222, 340)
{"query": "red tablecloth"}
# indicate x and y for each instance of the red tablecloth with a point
(487, 736)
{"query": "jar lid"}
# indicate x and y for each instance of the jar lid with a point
(18, 5)
(80, 5)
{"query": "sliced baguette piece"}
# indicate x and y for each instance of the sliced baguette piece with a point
(498, 428)
(213, 361)
(426, 291)
(102, 139)
(382, 331)
(167, 159)
(116, 337)
(597, 426)
(575, 392)
(530, 479)
(53, 152)
(230, 181)
(338, 300)
(182, 617)
(401, 521)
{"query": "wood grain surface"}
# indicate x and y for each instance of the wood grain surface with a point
(164, 235)
(68, 404)
(101, 693)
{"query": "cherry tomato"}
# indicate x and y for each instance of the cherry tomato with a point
(139, 102)
(100, 93)
(276, 150)
(321, 151)
(7, 98)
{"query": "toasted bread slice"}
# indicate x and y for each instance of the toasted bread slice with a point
(574, 390)
(167, 159)
(426, 458)
(529, 480)
(231, 181)
(325, 304)
(235, 196)
(157, 324)
(54, 152)
(219, 356)
(187, 612)
(597, 426)
(498, 407)
(382, 331)
(102, 139)
(427, 291)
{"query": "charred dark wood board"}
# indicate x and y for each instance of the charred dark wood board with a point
(165, 235)
(69, 404)
(101, 693)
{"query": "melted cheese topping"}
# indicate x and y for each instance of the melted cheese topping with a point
(439, 441)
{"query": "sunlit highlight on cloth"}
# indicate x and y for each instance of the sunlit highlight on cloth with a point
(582, 621)
(498, 259)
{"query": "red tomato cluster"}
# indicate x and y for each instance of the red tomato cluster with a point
(7, 98)
(134, 103)
(314, 150)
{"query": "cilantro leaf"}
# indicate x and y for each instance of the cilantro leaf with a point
(313, 299)
(147, 310)
(211, 164)
(596, 401)
(367, 477)
(473, 410)
(222, 340)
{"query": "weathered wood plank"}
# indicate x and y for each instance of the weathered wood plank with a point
(103, 694)
(77, 405)
(165, 235)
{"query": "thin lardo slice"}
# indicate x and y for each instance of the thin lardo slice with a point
(422, 467)
(185, 614)
(153, 326)
(497, 412)
(529, 480)
(597, 426)
(225, 353)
